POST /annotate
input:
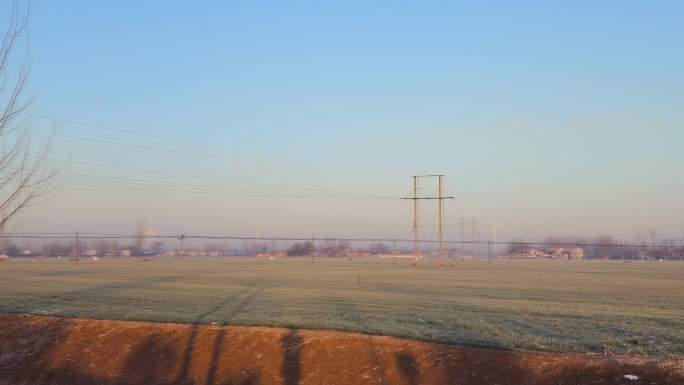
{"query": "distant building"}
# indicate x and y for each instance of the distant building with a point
(359, 254)
(532, 252)
(404, 256)
(573, 253)
(565, 253)
(271, 254)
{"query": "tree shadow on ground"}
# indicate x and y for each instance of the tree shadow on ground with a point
(26, 346)
(48, 350)
(291, 367)
(149, 361)
(239, 302)
(478, 366)
(407, 367)
(100, 291)
(350, 312)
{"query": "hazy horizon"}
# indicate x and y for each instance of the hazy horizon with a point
(308, 119)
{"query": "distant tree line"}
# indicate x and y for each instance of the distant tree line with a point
(300, 249)
(605, 247)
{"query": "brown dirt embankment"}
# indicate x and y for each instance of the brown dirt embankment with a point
(50, 350)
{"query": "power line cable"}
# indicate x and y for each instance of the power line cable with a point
(283, 187)
(147, 187)
(346, 239)
(221, 147)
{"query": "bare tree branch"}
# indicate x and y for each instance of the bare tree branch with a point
(26, 178)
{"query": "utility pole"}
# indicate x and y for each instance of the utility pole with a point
(77, 249)
(440, 208)
(3, 241)
(476, 234)
(415, 217)
(181, 238)
(489, 251)
(257, 228)
(476, 230)
(495, 228)
(394, 251)
(462, 244)
(440, 221)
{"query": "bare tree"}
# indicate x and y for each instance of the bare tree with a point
(518, 246)
(25, 175)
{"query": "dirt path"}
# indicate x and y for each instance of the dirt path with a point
(49, 350)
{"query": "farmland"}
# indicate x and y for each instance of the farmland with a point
(583, 306)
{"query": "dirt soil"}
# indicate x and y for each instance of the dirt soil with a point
(51, 350)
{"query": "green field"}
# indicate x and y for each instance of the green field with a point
(538, 305)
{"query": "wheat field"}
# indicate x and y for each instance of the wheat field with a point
(594, 306)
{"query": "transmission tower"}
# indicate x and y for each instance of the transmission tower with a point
(475, 233)
(440, 212)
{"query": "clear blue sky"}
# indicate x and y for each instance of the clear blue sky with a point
(551, 118)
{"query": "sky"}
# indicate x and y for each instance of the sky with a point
(308, 118)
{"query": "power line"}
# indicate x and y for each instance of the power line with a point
(101, 184)
(230, 180)
(221, 147)
(99, 181)
(164, 183)
(141, 133)
(323, 239)
(166, 150)
(59, 233)
(353, 195)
